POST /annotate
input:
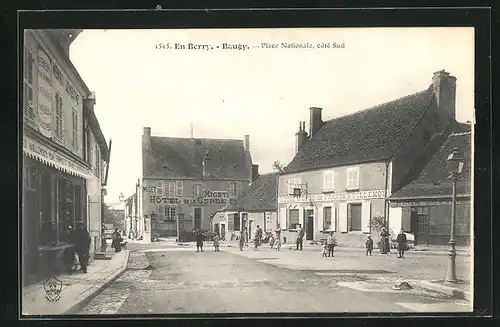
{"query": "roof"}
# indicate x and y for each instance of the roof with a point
(373, 134)
(433, 181)
(181, 158)
(260, 196)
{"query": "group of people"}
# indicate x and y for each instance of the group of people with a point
(80, 239)
(385, 243)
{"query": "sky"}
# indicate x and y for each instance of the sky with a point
(262, 92)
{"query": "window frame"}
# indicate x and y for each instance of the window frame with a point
(331, 174)
(234, 188)
(349, 172)
(329, 227)
(59, 117)
(177, 188)
(290, 225)
(74, 135)
(197, 189)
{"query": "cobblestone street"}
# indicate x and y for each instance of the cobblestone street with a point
(179, 280)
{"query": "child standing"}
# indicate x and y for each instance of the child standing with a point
(271, 240)
(216, 242)
(369, 245)
(324, 251)
(330, 241)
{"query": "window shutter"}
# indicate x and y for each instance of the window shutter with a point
(366, 216)
(159, 187)
(179, 189)
(334, 218)
(328, 181)
(352, 178)
(282, 218)
(343, 217)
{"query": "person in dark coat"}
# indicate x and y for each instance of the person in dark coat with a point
(369, 245)
(199, 241)
(82, 246)
(402, 243)
(117, 240)
(242, 239)
(384, 241)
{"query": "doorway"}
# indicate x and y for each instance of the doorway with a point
(197, 218)
(309, 224)
(419, 224)
(223, 232)
(354, 217)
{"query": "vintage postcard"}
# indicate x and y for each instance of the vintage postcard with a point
(294, 170)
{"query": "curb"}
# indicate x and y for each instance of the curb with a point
(447, 290)
(98, 288)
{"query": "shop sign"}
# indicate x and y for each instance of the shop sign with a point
(52, 158)
(341, 196)
(155, 199)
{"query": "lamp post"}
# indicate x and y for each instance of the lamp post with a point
(455, 165)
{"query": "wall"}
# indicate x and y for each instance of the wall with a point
(154, 200)
(370, 194)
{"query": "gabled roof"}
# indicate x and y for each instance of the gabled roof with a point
(369, 135)
(260, 196)
(433, 181)
(181, 158)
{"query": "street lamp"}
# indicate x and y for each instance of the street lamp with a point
(121, 197)
(455, 166)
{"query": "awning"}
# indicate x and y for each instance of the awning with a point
(43, 154)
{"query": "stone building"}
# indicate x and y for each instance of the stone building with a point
(65, 153)
(190, 179)
(345, 168)
(423, 207)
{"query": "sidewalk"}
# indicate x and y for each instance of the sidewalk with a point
(77, 288)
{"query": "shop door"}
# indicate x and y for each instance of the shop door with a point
(223, 232)
(422, 235)
(309, 225)
(30, 229)
(355, 217)
(197, 218)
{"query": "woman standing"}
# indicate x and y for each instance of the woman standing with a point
(242, 239)
(117, 240)
(278, 237)
(402, 242)
(384, 241)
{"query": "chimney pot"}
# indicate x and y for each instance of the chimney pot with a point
(146, 138)
(315, 121)
(247, 143)
(444, 87)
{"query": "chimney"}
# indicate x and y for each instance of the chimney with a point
(146, 138)
(315, 121)
(255, 172)
(247, 143)
(444, 86)
(300, 136)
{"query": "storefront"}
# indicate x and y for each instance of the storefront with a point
(54, 197)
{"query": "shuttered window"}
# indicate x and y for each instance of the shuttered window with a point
(328, 181)
(327, 218)
(196, 190)
(28, 97)
(74, 136)
(352, 178)
(59, 117)
(179, 188)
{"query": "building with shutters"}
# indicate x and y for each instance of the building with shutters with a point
(190, 178)
(345, 168)
(65, 153)
(254, 207)
(423, 207)
(134, 222)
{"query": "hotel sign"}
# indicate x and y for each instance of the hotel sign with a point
(50, 157)
(341, 196)
(209, 197)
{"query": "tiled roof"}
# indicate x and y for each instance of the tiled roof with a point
(433, 181)
(259, 196)
(182, 158)
(368, 135)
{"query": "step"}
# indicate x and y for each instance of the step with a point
(103, 256)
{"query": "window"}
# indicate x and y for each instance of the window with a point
(230, 223)
(328, 181)
(169, 213)
(179, 188)
(74, 137)
(234, 188)
(28, 99)
(159, 187)
(236, 219)
(293, 183)
(293, 220)
(59, 117)
(57, 74)
(352, 178)
(327, 218)
(196, 190)
(169, 189)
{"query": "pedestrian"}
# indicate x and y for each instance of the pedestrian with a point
(216, 242)
(117, 240)
(402, 243)
(199, 241)
(82, 246)
(300, 237)
(242, 239)
(369, 245)
(384, 241)
(330, 241)
(278, 237)
(256, 239)
(324, 251)
(271, 240)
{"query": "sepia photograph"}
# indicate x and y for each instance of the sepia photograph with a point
(249, 170)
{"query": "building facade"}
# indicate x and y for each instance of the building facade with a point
(255, 207)
(190, 179)
(423, 207)
(134, 223)
(65, 154)
(345, 169)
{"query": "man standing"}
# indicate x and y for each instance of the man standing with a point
(300, 237)
(199, 241)
(82, 246)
